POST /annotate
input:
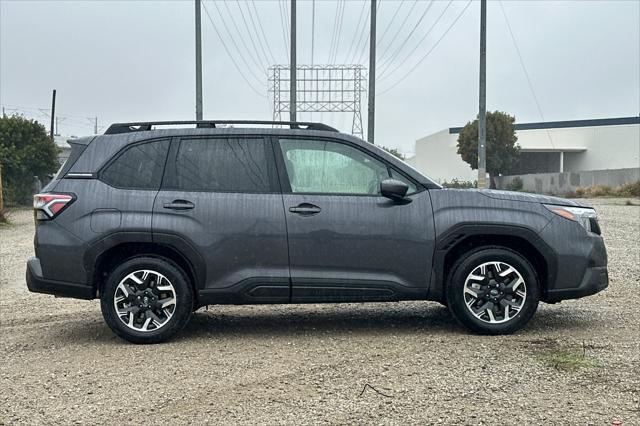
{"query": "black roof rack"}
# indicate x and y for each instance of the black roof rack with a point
(116, 128)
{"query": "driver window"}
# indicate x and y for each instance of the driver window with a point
(318, 166)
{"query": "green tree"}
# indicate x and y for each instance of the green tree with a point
(25, 151)
(394, 152)
(503, 151)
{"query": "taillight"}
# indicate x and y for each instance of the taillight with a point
(47, 206)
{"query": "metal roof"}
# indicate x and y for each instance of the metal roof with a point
(569, 123)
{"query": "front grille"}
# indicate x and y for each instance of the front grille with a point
(594, 226)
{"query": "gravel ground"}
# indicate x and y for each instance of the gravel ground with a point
(577, 362)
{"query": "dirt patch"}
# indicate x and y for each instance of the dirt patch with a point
(307, 364)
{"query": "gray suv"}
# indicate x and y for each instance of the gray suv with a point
(157, 222)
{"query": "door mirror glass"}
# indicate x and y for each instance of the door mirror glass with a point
(393, 189)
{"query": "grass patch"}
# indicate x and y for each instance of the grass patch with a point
(569, 360)
(4, 217)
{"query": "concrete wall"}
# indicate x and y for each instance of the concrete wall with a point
(562, 183)
(606, 147)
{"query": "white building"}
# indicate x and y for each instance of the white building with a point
(556, 146)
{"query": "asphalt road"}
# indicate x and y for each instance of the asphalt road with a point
(577, 362)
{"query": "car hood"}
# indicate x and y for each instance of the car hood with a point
(529, 198)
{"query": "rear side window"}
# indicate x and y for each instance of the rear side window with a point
(223, 165)
(138, 167)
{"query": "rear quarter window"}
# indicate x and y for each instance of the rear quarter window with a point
(137, 167)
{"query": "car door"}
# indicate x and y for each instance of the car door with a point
(220, 198)
(346, 241)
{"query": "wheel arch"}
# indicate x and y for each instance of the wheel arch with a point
(108, 252)
(467, 237)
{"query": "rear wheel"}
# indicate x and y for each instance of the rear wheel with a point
(146, 300)
(493, 290)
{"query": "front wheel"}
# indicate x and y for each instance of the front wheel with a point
(146, 300)
(493, 290)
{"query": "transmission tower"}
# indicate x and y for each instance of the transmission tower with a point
(319, 88)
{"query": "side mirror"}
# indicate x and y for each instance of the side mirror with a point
(393, 189)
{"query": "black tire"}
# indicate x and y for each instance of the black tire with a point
(181, 311)
(466, 264)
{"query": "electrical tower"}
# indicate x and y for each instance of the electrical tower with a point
(319, 88)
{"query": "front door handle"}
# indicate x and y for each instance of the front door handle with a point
(305, 209)
(179, 205)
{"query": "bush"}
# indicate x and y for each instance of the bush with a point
(630, 189)
(25, 151)
(460, 184)
(516, 184)
(626, 190)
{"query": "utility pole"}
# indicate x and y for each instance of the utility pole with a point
(482, 114)
(95, 126)
(372, 75)
(53, 111)
(293, 66)
(198, 64)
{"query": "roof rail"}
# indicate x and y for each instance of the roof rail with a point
(116, 128)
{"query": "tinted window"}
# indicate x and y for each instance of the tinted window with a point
(138, 167)
(317, 166)
(222, 164)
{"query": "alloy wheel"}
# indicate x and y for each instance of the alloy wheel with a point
(145, 300)
(495, 292)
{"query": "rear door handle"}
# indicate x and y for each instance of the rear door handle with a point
(179, 205)
(305, 209)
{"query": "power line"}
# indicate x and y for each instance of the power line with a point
(254, 58)
(384, 52)
(337, 30)
(526, 73)
(334, 30)
(313, 27)
(229, 52)
(384, 33)
(429, 51)
(339, 33)
(264, 36)
(255, 29)
(363, 50)
(357, 32)
(364, 38)
(403, 61)
(406, 39)
(284, 19)
(230, 34)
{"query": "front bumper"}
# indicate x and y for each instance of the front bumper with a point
(595, 279)
(38, 284)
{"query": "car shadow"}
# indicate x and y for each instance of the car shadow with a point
(322, 319)
(416, 318)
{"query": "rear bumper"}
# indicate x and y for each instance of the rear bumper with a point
(595, 279)
(38, 284)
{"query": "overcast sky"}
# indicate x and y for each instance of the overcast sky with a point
(134, 60)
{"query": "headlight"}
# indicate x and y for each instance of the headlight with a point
(584, 216)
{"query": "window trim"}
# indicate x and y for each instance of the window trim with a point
(122, 151)
(285, 183)
(172, 157)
